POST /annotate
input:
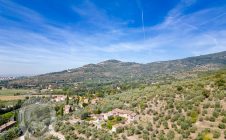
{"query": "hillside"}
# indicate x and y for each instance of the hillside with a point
(114, 70)
(191, 109)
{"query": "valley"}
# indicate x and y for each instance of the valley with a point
(173, 107)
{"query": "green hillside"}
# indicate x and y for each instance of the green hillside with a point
(114, 70)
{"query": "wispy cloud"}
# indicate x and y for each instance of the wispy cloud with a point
(45, 47)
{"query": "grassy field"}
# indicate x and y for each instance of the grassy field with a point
(11, 92)
(11, 98)
(7, 102)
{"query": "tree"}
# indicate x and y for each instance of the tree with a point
(221, 126)
(119, 130)
(216, 134)
(84, 115)
(225, 134)
(171, 135)
(97, 111)
(220, 82)
(61, 111)
(206, 93)
(179, 88)
(110, 117)
(67, 100)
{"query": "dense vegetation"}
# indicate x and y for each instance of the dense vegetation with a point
(112, 71)
(180, 99)
(187, 109)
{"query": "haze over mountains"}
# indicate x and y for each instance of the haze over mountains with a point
(115, 70)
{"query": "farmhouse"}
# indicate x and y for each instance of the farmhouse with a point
(95, 101)
(98, 117)
(129, 115)
(123, 113)
(86, 101)
(58, 98)
(67, 109)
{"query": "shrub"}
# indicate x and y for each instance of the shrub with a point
(194, 116)
(193, 129)
(170, 135)
(206, 93)
(109, 125)
(84, 115)
(220, 82)
(124, 137)
(221, 126)
(217, 105)
(225, 134)
(212, 119)
(130, 132)
(118, 118)
(216, 134)
(224, 120)
(119, 130)
(140, 127)
(110, 117)
(204, 135)
(185, 125)
(201, 119)
(215, 114)
(179, 88)
(145, 137)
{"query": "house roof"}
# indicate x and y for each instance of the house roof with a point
(67, 107)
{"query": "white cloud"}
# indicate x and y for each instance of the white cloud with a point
(54, 48)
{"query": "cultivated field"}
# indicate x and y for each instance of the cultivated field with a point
(10, 92)
(10, 98)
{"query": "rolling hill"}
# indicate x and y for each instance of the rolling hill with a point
(114, 70)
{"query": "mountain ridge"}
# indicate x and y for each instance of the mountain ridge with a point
(116, 70)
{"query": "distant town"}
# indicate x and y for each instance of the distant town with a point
(7, 78)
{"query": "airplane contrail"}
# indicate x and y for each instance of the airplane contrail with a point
(142, 17)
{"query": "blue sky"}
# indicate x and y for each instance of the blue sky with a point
(40, 36)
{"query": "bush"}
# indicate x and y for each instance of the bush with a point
(11, 134)
(216, 134)
(204, 135)
(118, 118)
(130, 132)
(119, 130)
(171, 135)
(185, 125)
(145, 137)
(84, 116)
(215, 114)
(179, 88)
(212, 119)
(194, 116)
(225, 134)
(221, 126)
(137, 131)
(110, 117)
(220, 82)
(224, 120)
(6, 117)
(206, 93)
(109, 125)
(97, 111)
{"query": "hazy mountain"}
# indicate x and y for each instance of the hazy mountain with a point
(112, 70)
